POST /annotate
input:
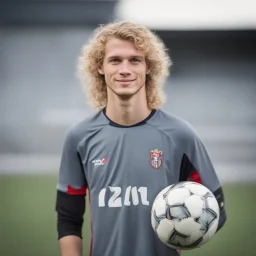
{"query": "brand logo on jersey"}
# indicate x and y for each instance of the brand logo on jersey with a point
(156, 158)
(102, 161)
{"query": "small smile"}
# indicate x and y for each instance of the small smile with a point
(125, 80)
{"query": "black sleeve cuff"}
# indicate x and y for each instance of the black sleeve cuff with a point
(70, 209)
(220, 199)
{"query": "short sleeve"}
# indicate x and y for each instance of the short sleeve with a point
(196, 164)
(71, 173)
(203, 165)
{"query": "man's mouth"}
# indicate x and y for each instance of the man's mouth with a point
(125, 80)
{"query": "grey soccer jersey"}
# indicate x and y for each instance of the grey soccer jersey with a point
(124, 168)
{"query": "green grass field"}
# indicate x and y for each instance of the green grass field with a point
(28, 220)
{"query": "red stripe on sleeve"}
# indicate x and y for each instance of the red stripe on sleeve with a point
(73, 191)
(194, 176)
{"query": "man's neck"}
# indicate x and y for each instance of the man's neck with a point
(126, 112)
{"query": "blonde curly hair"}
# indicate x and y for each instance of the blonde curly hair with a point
(146, 41)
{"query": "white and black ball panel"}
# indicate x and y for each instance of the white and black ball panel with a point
(165, 230)
(187, 226)
(212, 203)
(164, 192)
(160, 206)
(210, 233)
(196, 189)
(195, 205)
(177, 196)
(207, 218)
(178, 212)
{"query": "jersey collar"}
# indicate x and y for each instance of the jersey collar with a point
(129, 126)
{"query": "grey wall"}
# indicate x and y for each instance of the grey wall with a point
(56, 12)
(212, 86)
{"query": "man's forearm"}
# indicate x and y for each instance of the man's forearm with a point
(70, 246)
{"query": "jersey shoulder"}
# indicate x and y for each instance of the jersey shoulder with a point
(174, 127)
(87, 127)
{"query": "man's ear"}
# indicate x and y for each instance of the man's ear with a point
(100, 69)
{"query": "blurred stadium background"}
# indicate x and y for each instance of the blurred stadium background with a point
(212, 85)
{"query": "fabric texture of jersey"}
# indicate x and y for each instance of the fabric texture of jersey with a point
(124, 168)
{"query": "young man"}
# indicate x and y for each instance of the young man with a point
(128, 151)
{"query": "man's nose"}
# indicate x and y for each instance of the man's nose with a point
(124, 69)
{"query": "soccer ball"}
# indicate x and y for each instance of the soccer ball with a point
(185, 215)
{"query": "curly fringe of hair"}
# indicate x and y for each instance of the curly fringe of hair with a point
(146, 41)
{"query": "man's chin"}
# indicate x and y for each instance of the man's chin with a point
(125, 94)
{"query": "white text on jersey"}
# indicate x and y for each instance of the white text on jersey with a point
(131, 197)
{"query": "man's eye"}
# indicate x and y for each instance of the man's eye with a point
(135, 60)
(115, 60)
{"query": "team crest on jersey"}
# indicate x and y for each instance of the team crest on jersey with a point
(156, 158)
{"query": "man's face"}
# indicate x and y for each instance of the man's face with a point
(124, 68)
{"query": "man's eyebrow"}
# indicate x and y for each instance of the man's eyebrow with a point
(118, 56)
(113, 57)
(138, 56)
